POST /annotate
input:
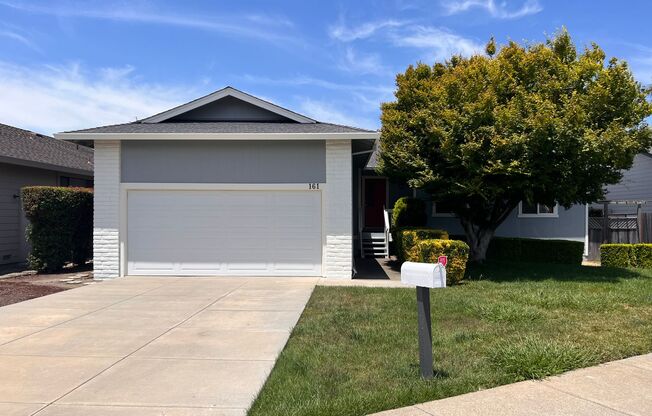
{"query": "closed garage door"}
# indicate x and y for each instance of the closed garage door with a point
(248, 233)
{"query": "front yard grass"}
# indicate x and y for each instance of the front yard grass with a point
(354, 350)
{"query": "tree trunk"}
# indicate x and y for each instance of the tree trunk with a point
(478, 239)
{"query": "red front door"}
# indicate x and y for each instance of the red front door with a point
(375, 199)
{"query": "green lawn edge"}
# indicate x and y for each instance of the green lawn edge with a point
(354, 350)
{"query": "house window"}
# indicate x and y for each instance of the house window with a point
(526, 210)
(68, 181)
(442, 209)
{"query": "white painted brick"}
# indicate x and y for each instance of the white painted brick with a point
(338, 261)
(106, 213)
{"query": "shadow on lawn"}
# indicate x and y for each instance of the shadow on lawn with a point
(499, 271)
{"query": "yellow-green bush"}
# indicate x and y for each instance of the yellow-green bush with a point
(626, 255)
(457, 252)
(406, 239)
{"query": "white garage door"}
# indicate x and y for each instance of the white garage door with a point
(248, 233)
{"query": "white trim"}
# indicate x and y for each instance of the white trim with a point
(586, 231)
(218, 136)
(226, 92)
(553, 214)
(220, 186)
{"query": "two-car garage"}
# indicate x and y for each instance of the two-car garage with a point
(224, 232)
(227, 184)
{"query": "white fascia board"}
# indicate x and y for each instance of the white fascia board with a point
(219, 136)
(228, 91)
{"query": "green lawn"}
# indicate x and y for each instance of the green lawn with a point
(354, 350)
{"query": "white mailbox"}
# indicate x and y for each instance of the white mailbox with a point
(423, 274)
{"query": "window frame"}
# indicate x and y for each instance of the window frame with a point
(436, 214)
(553, 214)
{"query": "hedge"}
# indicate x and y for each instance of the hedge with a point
(626, 255)
(428, 251)
(409, 212)
(60, 226)
(405, 239)
(535, 250)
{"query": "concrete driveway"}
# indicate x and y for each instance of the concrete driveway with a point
(147, 346)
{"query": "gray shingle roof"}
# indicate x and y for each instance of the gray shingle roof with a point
(222, 127)
(28, 146)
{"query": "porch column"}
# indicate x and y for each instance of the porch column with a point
(106, 210)
(338, 210)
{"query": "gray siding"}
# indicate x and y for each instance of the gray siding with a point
(229, 109)
(636, 185)
(201, 161)
(13, 245)
(570, 225)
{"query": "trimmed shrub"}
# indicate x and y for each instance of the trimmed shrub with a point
(407, 238)
(626, 255)
(616, 255)
(409, 212)
(643, 255)
(535, 250)
(61, 225)
(428, 251)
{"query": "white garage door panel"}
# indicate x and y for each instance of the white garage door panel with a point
(245, 233)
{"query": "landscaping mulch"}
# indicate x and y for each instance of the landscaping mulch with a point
(20, 284)
(14, 292)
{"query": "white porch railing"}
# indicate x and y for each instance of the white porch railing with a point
(387, 215)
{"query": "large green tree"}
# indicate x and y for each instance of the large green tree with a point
(539, 123)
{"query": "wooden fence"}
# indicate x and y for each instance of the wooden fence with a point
(620, 229)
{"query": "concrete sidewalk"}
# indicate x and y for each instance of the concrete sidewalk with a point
(147, 346)
(614, 389)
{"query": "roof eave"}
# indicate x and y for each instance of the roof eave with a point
(46, 166)
(218, 136)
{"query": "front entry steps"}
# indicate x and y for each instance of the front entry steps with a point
(374, 244)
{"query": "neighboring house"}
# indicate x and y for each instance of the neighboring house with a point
(525, 221)
(635, 186)
(227, 184)
(28, 158)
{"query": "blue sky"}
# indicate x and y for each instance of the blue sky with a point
(74, 64)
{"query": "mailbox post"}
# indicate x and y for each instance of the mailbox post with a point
(424, 276)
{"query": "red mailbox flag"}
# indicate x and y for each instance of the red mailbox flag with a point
(443, 260)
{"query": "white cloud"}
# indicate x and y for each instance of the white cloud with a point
(345, 33)
(302, 80)
(439, 42)
(497, 10)
(19, 38)
(329, 112)
(363, 63)
(51, 99)
(251, 26)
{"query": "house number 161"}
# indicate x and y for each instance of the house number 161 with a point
(313, 186)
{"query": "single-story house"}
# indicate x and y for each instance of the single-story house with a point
(230, 184)
(26, 159)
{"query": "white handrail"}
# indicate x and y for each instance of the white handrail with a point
(388, 226)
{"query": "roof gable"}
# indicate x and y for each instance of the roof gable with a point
(228, 104)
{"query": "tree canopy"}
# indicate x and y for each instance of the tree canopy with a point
(540, 123)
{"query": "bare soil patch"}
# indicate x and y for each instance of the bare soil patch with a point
(19, 284)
